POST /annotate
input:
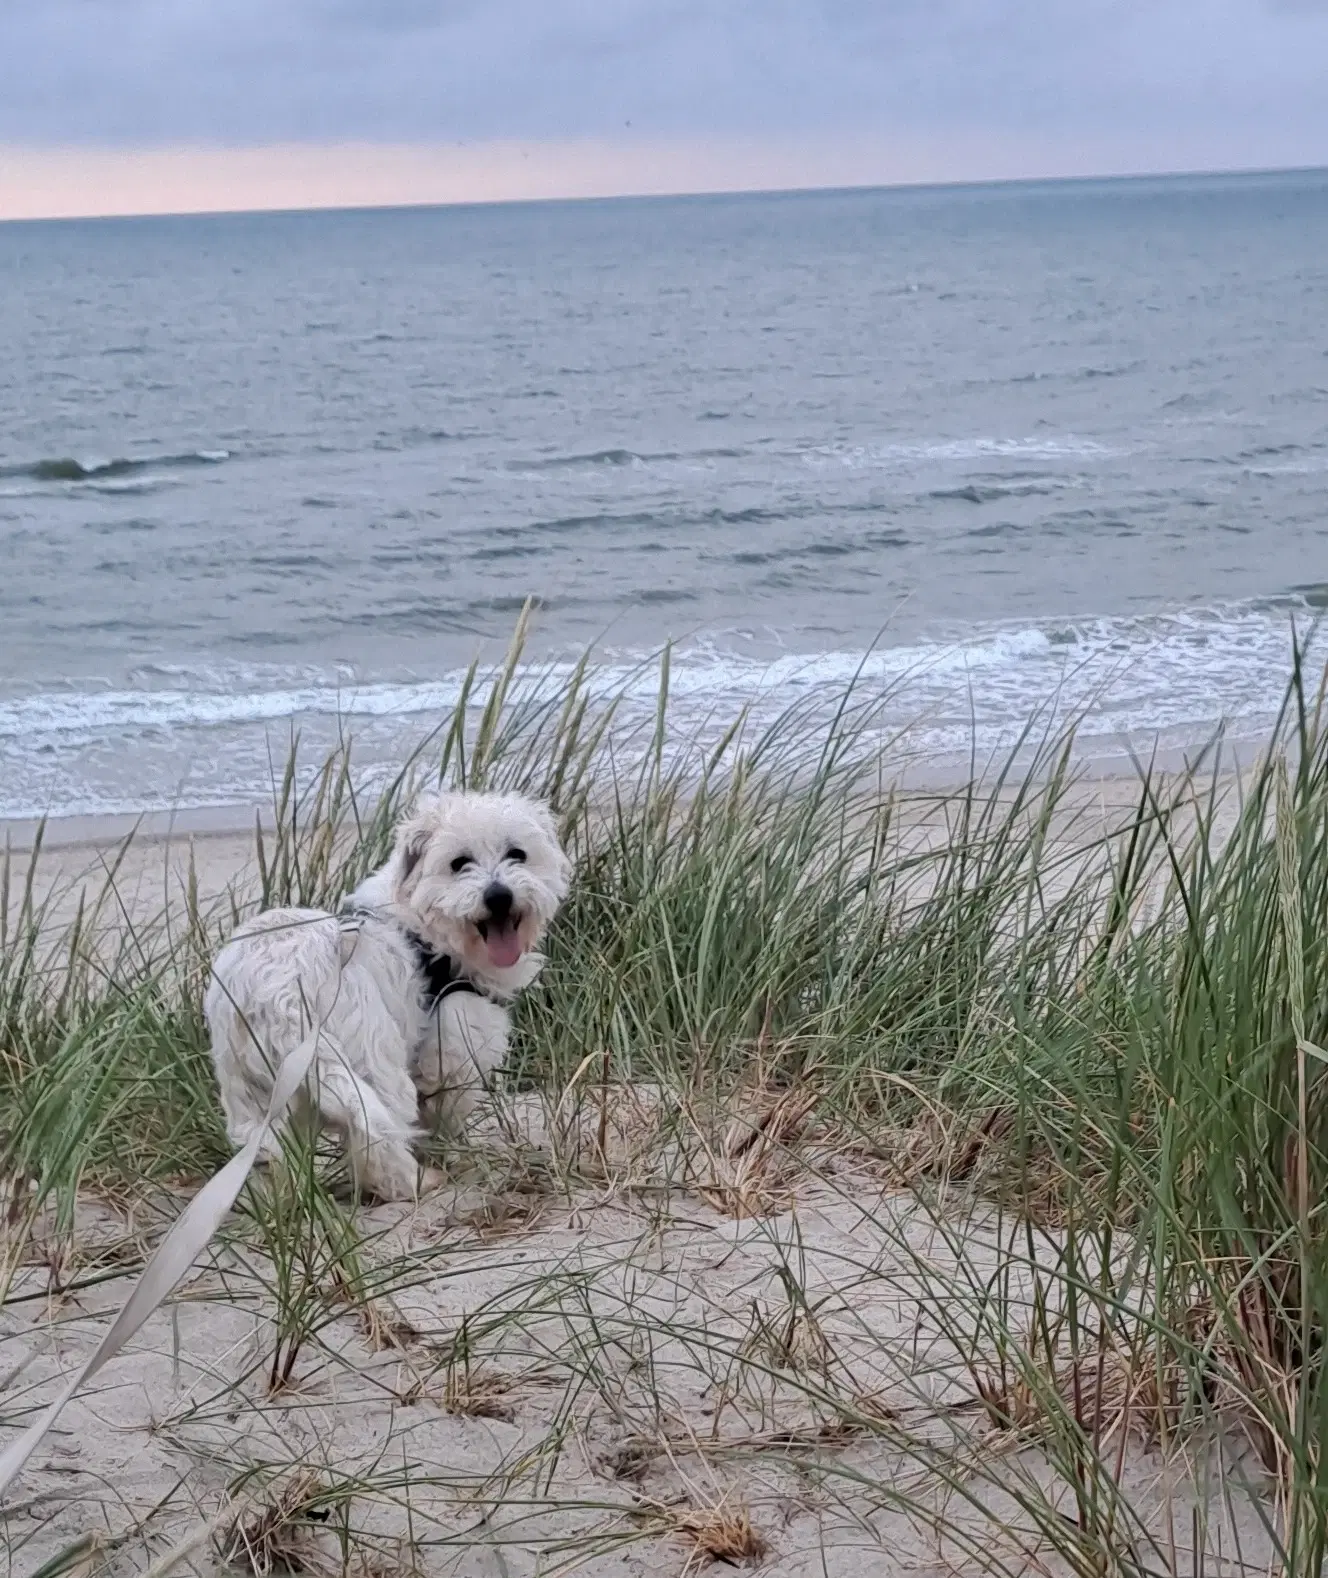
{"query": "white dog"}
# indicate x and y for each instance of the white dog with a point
(404, 989)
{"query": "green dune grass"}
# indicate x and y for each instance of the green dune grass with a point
(1088, 1054)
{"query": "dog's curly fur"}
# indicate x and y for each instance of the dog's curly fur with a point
(475, 877)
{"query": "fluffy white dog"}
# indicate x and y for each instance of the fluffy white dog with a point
(404, 989)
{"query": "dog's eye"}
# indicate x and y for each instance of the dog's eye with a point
(519, 855)
(461, 862)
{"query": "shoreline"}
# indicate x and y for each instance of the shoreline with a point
(125, 873)
(1110, 775)
(106, 829)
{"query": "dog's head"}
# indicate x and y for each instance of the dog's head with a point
(480, 875)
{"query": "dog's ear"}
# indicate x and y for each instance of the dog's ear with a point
(543, 814)
(414, 834)
(541, 818)
(413, 846)
(548, 825)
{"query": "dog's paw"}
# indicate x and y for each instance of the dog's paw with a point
(432, 1179)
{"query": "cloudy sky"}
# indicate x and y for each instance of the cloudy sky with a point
(123, 103)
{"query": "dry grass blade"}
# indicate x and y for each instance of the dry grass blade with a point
(630, 1459)
(714, 1531)
(385, 1329)
(779, 1120)
(479, 1394)
(955, 1148)
(281, 1534)
(501, 1214)
(1269, 1368)
(749, 1171)
(1100, 1391)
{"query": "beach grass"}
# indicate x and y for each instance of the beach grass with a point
(881, 1181)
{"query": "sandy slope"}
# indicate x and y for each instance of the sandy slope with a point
(540, 1373)
(602, 1378)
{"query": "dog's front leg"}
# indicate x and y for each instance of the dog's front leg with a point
(465, 1046)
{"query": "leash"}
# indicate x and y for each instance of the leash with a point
(172, 1259)
(200, 1220)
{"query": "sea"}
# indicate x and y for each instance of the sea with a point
(984, 453)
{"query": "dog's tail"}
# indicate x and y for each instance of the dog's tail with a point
(378, 1139)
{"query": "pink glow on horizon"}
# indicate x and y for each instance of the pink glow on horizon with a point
(37, 183)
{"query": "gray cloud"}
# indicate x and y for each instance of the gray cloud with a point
(246, 71)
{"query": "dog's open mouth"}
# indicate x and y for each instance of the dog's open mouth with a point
(502, 940)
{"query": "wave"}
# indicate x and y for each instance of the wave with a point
(208, 738)
(992, 492)
(996, 529)
(1067, 447)
(67, 469)
(1071, 375)
(573, 523)
(815, 548)
(1314, 594)
(663, 518)
(1205, 643)
(598, 457)
(621, 458)
(707, 670)
(1313, 467)
(133, 711)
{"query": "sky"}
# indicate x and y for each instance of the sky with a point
(142, 105)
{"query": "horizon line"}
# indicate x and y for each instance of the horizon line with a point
(483, 176)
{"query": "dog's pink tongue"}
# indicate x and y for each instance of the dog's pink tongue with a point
(504, 945)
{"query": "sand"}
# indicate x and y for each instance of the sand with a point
(619, 1380)
(148, 864)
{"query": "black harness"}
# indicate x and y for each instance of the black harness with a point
(440, 974)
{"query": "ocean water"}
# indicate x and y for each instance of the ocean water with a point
(265, 472)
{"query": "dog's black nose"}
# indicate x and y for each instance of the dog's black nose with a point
(498, 901)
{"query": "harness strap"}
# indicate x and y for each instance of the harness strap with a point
(439, 970)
